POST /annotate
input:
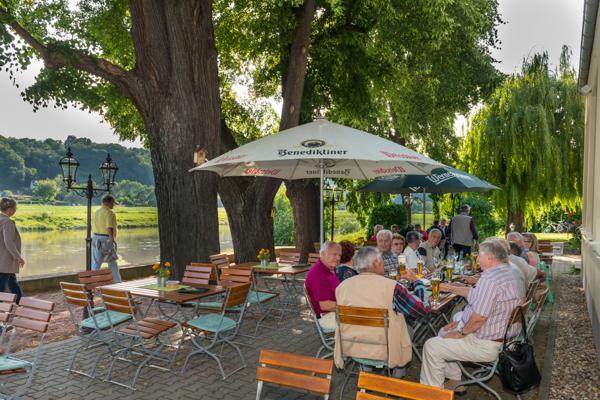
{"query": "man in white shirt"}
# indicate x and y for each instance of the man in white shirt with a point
(413, 241)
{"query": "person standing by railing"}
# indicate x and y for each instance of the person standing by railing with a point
(104, 245)
(10, 248)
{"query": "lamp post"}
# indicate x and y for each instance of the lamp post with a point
(334, 194)
(108, 168)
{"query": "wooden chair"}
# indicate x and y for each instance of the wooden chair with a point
(220, 261)
(289, 257)
(483, 372)
(91, 330)
(301, 372)
(197, 274)
(546, 252)
(7, 302)
(326, 335)
(218, 329)
(30, 315)
(92, 281)
(540, 300)
(214, 275)
(348, 316)
(313, 258)
(143, 337)
(379, 384)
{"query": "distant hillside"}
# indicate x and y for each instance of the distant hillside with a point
(25, 160)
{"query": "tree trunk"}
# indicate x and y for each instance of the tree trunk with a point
(179, 101)
(517, 217)
(306, 214)
(407, 202)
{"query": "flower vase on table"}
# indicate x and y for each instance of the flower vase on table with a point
(163, 272)
(264, 255)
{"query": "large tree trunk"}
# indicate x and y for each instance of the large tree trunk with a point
(305, 196)
(180, 104)
(302, 194)
(407, 202)
(516, 217)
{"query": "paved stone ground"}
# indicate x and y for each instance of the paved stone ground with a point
(202, 381)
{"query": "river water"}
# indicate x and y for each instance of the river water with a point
(52, 252)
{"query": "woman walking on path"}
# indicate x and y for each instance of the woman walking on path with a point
(10, 248)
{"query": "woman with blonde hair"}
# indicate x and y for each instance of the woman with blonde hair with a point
(531, 245)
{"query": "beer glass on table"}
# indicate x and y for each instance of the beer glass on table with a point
(449, 271)
(435, 288)
(402, 263)
(420, 268)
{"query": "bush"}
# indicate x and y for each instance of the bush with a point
(283, 223)
(386, 215)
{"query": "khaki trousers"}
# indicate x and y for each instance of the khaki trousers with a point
(439, 356)
(327, 320)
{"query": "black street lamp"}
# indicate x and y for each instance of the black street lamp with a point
(333, 194)
(108, 168)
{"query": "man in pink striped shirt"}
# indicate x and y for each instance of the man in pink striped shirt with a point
(477, 336)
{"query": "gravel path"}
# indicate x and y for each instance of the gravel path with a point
(575, 371)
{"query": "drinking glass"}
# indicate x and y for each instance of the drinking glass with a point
(420, 268)
(449, 272)
(435, 288)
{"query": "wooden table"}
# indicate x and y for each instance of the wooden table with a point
(135, 288)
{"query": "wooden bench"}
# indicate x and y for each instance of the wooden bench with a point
(383, 385)
(294, 371)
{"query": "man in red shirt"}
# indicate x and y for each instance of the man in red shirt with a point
(321, 282)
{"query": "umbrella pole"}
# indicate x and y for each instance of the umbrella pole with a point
(424, 209)
(322, 175)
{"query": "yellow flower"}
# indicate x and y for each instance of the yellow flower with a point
(168, 272)
(156, 266)
(167, 264)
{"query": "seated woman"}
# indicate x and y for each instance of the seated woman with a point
(413, 241)
(345, 270)
(531, 245)
(398, 243)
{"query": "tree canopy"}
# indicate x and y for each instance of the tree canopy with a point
(528, 140)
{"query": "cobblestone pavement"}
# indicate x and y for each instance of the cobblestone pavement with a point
(202, 380)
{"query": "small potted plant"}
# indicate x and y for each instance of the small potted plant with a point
(264, 255)
(163, 272)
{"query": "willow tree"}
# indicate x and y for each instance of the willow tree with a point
(528, 139)
(150, 67)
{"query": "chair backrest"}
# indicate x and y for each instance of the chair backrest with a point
(385, 385)
(313, 258)
(304, 375)
(220, 260)
(214, 276)
(545, 247)
(76, 294)
(93, 279)
(236, 275)
(118, 300)
(289, 257)
(515, 317)
(7, 302)
(33, 314)
(362, 316)
(309, 303)
(541, 300)
(531, 288)
(197, 274)
(236, 295)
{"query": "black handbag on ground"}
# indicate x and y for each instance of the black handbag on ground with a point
(516, 364)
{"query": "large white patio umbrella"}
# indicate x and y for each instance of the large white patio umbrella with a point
(320, 149)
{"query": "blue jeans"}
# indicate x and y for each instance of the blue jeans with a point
(97, 258)
(10, 280)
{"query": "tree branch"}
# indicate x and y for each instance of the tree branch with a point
(56, 57)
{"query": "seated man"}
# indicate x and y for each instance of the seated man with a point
(413, 241)
(390, 259)
(477, 337)
(429, 250)
(371, 289)
(321, 282)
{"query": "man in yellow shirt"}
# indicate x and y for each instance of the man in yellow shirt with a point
(104, 245)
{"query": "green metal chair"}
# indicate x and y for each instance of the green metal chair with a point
(30, 315)
(209, 330)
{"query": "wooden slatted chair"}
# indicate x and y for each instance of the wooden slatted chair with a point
(140, 336)
(289, 258)
(218, 329)
(220, 261)
(313, 258)
(214, 276)
(347, 317)
(93, 331)
(540, 300)
(483, 372)
(30, 315)
(375, 387)
(197, 274)
(94, 279)
(301, 372)
(7, 302)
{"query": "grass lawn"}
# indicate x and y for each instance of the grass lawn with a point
(49, 217)
(554, 237)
